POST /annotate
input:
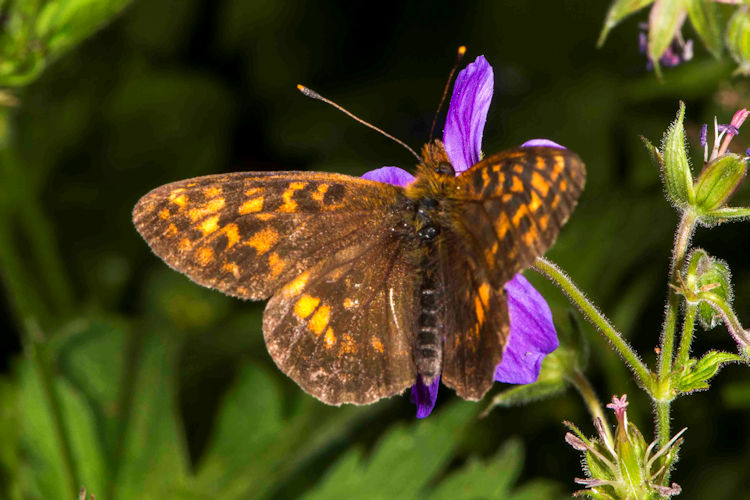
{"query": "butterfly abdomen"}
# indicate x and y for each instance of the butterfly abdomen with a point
(428, 352)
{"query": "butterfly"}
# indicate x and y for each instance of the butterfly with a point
(372, 285)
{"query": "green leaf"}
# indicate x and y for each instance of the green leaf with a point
(477, 479)
(10, 423)
(718, 181)
(712, 275)
(527, 393)
(738, 38)
(403, 463)
(704, 16)
(617, 12)
(696, 375)
(663, 23)
(678, 180)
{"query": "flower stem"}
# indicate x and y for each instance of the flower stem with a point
(590, 310)
(584, 388)
(686, 339)
(664, 394)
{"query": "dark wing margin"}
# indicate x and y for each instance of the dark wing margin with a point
(513, 204)
(247, 234)
(344, 330)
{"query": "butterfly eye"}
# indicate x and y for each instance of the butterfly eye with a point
(445, 168)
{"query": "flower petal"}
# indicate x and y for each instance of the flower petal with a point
(541, 142)
(532, 334)
(390, 175)
(467, 114)
(424, 396)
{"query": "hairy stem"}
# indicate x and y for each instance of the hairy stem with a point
(554, 273)
(584, 388)
(686, 339)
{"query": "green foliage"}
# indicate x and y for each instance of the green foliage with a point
(718, 180)
(618, 11)
(697, 373)
(738, 39)
(704, 16)
(38, 31)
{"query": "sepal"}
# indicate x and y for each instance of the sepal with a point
(718, 180)
(678, 180)
(696, 374)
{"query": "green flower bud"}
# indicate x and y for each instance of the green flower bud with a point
(712, 275)
(738, 39)
(719, 180)
(678, 179)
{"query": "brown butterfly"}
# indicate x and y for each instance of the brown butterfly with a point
(371, 284)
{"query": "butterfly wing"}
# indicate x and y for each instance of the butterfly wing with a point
(247, 234)
(476, 320)
(508, 211)
(340, 322)
(513, 204)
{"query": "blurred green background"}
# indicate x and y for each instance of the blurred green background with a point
(122, 376)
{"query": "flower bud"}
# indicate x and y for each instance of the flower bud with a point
(678, 180)
(711, 275)
(718, 181)
(738, 38)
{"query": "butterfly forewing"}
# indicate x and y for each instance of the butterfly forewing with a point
(247, 234)
(513, 204)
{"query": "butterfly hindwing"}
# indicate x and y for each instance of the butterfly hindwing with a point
(513, 204)
(247, 234)
(476, 323)
(344, 330)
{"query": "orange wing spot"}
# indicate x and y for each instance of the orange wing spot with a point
(484, 294)
(171, 230)
(179, 200)
(518, 168)
(329, 339)
(555, 201)
(191, 184)
(231, 267)
(263, 240)
(319, 320)
(500, 179)
(251, 205)
(563, 185)
(348, 303)
(320, 193)
(205, 256)
(539, 183)
(557, 167)
(164, 214)
(297, 284)
(543, 221)
(305, 306)
(530, 237)
(485, 178)
(507, 198)
(185, 244)
(522, 210)
(502, 226)
(232, 233)
(376, 344)
(289, 204)
(264, 217)
(176, 193)
(517, 186)
(210, 225)
(540, 163)
(212, 191)
(252, 191)
(479, 310)
(276, 264)
(209, 208)
(536, 202)
(348, 345)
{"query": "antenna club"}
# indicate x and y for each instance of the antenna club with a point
(461, 50)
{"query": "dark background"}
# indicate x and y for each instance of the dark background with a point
(174, 89)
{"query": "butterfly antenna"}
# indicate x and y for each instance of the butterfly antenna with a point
(459, 56)
(315, 95)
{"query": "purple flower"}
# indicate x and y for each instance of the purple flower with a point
(532, 333)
